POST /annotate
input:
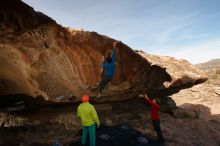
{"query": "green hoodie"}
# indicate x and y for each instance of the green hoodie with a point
(87, 113)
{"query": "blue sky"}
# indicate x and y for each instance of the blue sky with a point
(184, 29)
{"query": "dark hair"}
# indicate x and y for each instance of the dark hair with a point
(109, 60)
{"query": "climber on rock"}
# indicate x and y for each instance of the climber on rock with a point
(89, 120)
(108, 69)
(155, 117)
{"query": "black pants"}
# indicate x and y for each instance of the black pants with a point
(104, 82)
(156, 125)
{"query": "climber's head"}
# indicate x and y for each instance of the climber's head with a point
(109, 60)
(108, 56)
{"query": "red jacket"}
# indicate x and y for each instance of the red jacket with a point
(154, 110)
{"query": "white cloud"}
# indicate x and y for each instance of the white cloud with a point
(196, 53)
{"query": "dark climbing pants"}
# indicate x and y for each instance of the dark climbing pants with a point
(92, 137)
(104, 82)
(156, 125)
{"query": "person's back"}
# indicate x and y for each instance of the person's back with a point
(109, 69)
(154, 110)
(89, 119)
(87, 114)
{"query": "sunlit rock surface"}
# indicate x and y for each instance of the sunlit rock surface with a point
(40, 57)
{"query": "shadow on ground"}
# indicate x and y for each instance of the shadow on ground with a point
(119, 135)
(128, 124)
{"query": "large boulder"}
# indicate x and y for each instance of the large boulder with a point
(182, 74)
(40, 57)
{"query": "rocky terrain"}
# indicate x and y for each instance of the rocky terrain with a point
(49, 66)
(208, 93)
(189, 125)
(212, 64)
(204, 100)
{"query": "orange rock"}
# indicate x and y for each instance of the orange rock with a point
(57, 61)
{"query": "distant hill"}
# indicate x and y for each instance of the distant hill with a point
(212, 64)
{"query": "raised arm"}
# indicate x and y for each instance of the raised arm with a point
(151, 102)
(114, 52)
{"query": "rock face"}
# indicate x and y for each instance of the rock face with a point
(181, 72)
(39, 57)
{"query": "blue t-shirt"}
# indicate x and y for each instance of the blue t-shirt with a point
(110, 67)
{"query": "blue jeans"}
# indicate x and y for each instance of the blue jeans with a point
(92, 136)
(104, 82)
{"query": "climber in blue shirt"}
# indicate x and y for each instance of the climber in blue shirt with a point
(108, 69)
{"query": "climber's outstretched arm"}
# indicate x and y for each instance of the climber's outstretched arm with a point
(114, 52)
